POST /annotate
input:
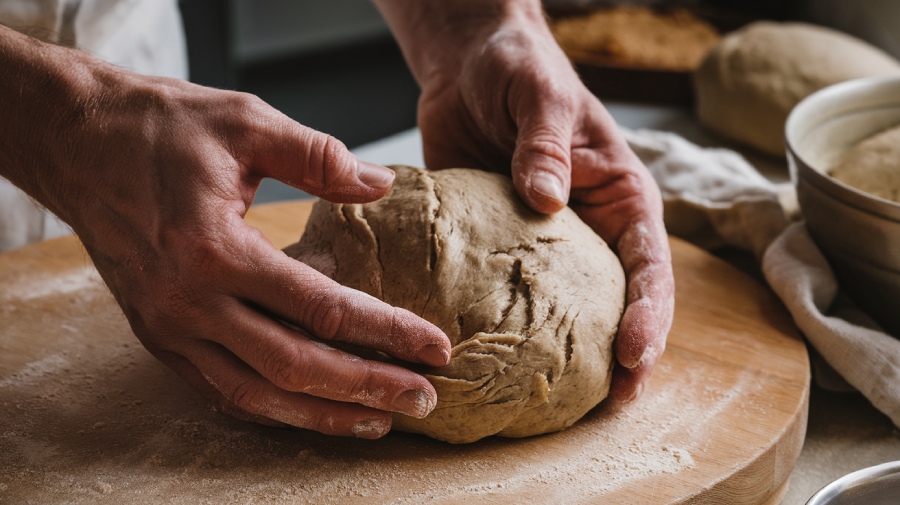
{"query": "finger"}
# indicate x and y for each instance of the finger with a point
(196, 380)
(631, 222)
(643, 330)
(239, 389)
(602, 162)
(307, 159)
(644, 252)
(541, 162)
(328, 311)
(628, 383)
(644, 326)
(295, 363)
(623, 214)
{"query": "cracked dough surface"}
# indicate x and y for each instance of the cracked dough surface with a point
(531, 303)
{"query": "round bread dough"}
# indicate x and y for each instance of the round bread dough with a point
(748, 84)
(531, 303)
(873, 165)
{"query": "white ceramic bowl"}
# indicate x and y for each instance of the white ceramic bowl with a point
(859, 233)
(876, 485)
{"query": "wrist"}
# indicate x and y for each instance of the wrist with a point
(47, 93)
(436, 36)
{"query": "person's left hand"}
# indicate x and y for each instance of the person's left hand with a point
(514, 104)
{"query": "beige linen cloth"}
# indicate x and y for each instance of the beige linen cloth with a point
(714, 197)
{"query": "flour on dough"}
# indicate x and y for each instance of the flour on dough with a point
(531, 303)
(873, 165)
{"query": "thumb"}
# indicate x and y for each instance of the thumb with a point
(541, 163)
(316, 163)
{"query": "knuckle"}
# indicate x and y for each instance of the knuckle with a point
(328, 162)
(201, 255)
(206, 254)
(403, 330)
(399, 323)
(290, 369)
(245, 103)
(324, 422)
(362, 385)
(245, 395)
(549, 144)
(641, 183)
(325, 316)
(557, 92)
(335, 155)
(632, 180)
(245, 113)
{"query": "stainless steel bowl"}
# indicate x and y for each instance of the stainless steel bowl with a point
(859, 233)
(876, 485)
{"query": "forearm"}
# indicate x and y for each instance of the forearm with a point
(44, 92)
(436, 34)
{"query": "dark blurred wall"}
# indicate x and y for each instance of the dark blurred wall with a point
(352, 83)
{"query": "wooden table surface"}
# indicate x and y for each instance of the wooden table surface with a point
(88, 416)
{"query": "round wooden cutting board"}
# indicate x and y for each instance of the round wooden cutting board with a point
(88, 416)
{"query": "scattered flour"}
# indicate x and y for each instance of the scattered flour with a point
(36, 370)
(98, 420)
(71, 281)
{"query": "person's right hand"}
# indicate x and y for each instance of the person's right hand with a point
(155, 176)
(499, 94)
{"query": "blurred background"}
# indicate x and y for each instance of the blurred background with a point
(333, 66)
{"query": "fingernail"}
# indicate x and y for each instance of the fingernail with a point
(415, 402)
(374, 176)
(434, 355)
(549, 186)
(371, 429)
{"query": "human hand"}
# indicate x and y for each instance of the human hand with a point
(155, 176)
(504, 97)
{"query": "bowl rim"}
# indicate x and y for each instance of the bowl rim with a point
(835, 98)
(837, 486)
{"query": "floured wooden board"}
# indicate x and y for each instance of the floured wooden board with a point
(88, 416)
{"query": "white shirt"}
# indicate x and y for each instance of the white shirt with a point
(145, 36)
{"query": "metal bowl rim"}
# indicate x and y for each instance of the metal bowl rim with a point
(864, 475)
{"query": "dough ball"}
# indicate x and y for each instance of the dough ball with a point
(873, 165)
(748, 84)
(531, 303)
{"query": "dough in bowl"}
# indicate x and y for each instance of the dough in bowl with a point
(873, 165)
(531, 303)
(748, 83)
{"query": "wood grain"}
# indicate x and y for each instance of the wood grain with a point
(87, 416)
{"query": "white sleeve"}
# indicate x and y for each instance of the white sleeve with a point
(145, 36)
